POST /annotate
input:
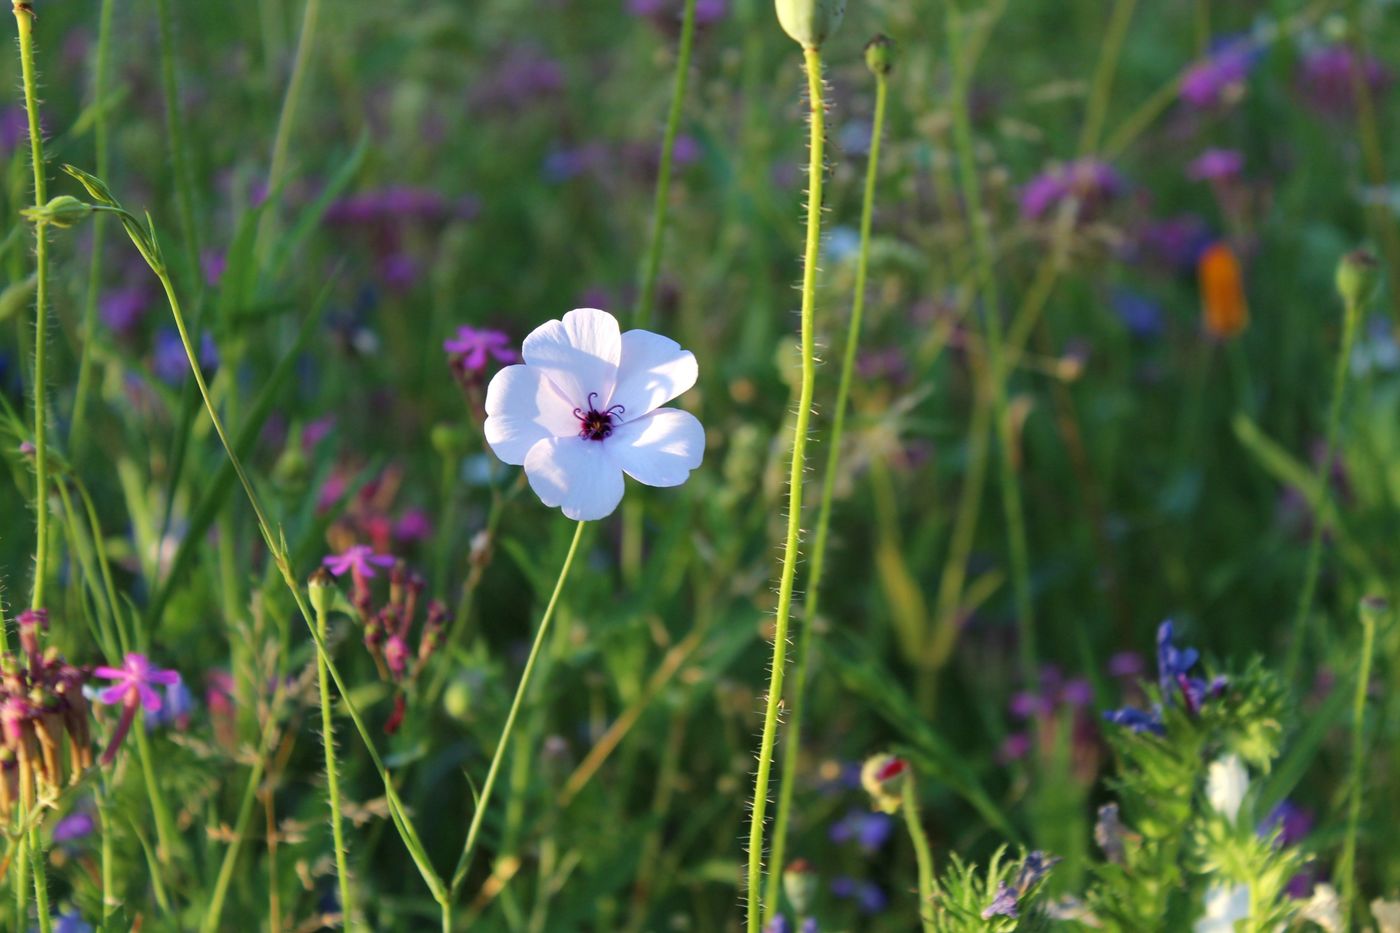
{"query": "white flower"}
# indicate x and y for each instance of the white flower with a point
(582, 410)
(1224, 905)
(1387, 914)
(1226, 785)
(1324, 909)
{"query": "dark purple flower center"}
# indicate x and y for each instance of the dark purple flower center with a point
(594, 425)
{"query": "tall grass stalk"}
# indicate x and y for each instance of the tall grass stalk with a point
(631, 550)
(792, 738)
(815, 168)
(991, 315)
(310, 16)
(101, 149)
(1352, 313)
(1372, 611)
(146, 242)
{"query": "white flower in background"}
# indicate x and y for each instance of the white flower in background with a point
(1387, 914)
(1225, 903)
(1323, 909)
(583, 409)
(1226, 785)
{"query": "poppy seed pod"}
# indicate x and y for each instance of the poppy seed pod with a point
(1357, 277)
(810, 22)
(879, 55)
(883, 777)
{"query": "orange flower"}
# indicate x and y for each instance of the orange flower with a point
(1222, 292)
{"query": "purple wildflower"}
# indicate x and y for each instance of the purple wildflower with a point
(359, 559)
(1003, 904)
(1219, 78)
(122, 309)
(867, 895)
(169, 361)
(1216, 165)
(134, 689)
(868, 830)
(74, 826)
(1327, 81)
(473, 348)
(1091, 182)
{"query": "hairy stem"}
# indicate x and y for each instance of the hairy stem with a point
(347, 907)
(815, 168)
(792, 739)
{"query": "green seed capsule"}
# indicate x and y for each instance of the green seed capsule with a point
(810, 22)
(1357, 276)
(879, 55)
(62, 211)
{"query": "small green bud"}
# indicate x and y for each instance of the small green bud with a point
(879, 55)
(292, 470)
(810, 22)
(1374, 610)
(1358, 274)
(457, 698)
(62, 212)
(321, 588)
(800, 886)
(448, 440)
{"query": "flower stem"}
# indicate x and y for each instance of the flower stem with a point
(484, 800)
(100, 137)
(24, 21)
(998, 373)
(815, 167)
(792, 738)
(631, 550)
(41, 878)
(342, 870)
(1351, 320)
(1371, 609)
(287, 119)
(922, 855)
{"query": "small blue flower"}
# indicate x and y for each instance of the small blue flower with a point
(1003, 904)
(1136, 720)
(869, 830)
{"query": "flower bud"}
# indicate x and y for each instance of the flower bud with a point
(810, 22)
(883, 777)
(1358, 274)
(800, 886)
(879, 55)
(321, 587)
(1375, 610)
(62, 211)
(457, 699)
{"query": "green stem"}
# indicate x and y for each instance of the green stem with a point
(287, 119)
(41, 879)
(815, 168)
(179, 153)
(922, 855)
(165, 825)
(146, 243)
(631, 549)
(651, 267)
(484, 800)
(792, 739)
(100, 144)
(1101, 89)
(342, 870)
(24, 20)
(982, 242)
(1371, 610)
(1313, 566)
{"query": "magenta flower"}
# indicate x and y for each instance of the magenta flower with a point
(359, 560)
(1216, 165)
(134, 682)
(1091, 182)
(1217, 79)
(134, 689)
(474, 348)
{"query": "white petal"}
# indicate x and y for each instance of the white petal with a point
(654, 370)
(659, 449)
(576, 475)
(579, 355)
(523, 408)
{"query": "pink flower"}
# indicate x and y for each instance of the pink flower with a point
(135, 681)
(475, 347)
(583, 409)
(359, 560)
(134, 689)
